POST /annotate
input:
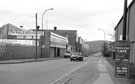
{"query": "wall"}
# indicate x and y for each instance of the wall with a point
(132, 32)
(71, 34)
(18, 52)
(132, 23)
(62, 51)
(3, 32)
(120, 30)
(46, 50)
(52, 52)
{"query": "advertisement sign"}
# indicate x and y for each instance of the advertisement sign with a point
(18, 42)
(122, 58)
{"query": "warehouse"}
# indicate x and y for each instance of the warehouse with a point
(130, 35)
(17, 43)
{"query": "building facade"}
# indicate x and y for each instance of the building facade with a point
(23, 41)
(74, 43)
(53, 45)
(130, 34)
(71, 35)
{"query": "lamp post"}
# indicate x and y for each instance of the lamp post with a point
(44, 14)
(104, 39)
(42, 25)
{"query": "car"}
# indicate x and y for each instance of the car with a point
(76, 56)
(67, 54)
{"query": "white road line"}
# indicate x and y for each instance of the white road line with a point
(69, 73)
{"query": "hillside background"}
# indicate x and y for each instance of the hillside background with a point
(95, 46)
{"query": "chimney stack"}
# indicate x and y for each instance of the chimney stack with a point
(55, 28)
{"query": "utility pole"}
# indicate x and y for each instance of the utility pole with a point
(36, 37)
(124, 20)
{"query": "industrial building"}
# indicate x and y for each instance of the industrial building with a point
(130, 35)
(19, 43)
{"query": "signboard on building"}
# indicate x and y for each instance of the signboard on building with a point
(18, 42)
(122, 58)
(58, 41)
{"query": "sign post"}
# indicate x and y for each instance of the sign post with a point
(122, 58)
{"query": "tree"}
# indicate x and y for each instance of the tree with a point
(111, 32)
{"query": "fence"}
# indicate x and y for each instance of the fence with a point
(8, 52)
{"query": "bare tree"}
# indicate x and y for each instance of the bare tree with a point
(111, 32)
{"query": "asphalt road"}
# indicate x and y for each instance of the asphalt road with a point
(44, 72)
(93, 70)
(98, 71)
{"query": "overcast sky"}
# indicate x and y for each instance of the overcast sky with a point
(85, 16)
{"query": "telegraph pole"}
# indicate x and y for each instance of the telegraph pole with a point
(36, 37)
(124, 20)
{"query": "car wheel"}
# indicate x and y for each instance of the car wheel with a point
(71, 59)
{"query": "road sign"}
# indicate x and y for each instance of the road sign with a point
(122, 58)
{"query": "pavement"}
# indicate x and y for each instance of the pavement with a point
(99, 71)
(16, 61)
(111, 61)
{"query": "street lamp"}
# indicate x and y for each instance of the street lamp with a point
(104, 39)
(43, 15)
(42, 25)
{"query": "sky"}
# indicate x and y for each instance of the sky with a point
(85, 16)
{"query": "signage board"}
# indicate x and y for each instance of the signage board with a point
(18, 42)
(122, 58)
(58, 41)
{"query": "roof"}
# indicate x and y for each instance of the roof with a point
(118, 23)
(130, 5)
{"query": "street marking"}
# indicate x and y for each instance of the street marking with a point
(69, 73)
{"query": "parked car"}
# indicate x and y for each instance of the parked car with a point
(67, 54)
(76, 56)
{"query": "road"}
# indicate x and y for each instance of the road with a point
(93, 70)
